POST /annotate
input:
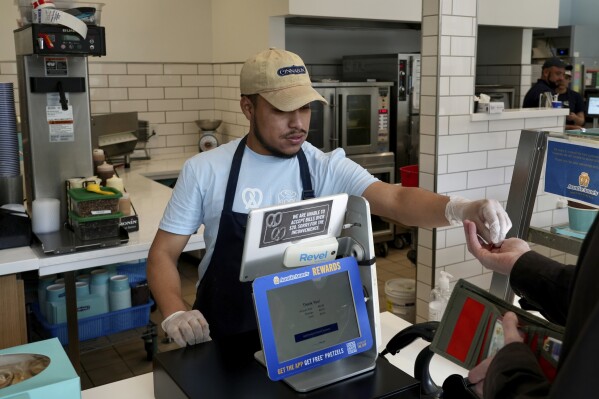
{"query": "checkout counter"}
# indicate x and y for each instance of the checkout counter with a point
(142, 387)
(149, 199)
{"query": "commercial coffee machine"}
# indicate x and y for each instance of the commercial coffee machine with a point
(54, 104)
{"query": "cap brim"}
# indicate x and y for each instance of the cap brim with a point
(292, 98)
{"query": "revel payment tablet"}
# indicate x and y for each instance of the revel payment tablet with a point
(311, 316)
(271, 230)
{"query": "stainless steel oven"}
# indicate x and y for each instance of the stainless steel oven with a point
(356, 118)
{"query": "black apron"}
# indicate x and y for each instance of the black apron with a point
(225, 302)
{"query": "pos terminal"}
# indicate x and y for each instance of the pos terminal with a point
(316, 300)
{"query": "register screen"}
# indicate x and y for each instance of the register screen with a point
(593, 106)
(312, 315)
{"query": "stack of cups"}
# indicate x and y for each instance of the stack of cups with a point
(99, 287)
(43, 283)
(45, 215)
(120, 292)
(11, 182)
(55, 304)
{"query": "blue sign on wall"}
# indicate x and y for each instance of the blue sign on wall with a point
(572, 170)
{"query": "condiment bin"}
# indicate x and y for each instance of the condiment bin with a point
(95, 227)
(86, 203)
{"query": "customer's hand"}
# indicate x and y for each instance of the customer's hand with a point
(187, 327)
(499, 259)
(491, 220)
(510, 334)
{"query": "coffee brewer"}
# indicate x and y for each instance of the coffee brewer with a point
(55, 108)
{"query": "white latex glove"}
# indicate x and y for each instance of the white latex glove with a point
(187, 327)
(492, 222)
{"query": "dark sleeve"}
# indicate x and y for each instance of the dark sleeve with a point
(543, 283)
(578, 102)
(531, 99)
(515, 373)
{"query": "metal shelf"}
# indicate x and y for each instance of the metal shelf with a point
(560, 242)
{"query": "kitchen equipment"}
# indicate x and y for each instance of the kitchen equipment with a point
(403, 70)
(356, 118)
(498, 93)
(115, 133)
(208, 127)
(54, 105)
(143, 136)
(381, 166)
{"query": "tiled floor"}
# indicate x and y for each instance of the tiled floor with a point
(129, 358)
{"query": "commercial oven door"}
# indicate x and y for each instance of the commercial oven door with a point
(322, 133)
(358, 119)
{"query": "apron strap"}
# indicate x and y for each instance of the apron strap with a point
(234, 175)
(305, 176)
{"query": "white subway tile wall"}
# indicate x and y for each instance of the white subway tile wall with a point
(471, 159)
(458, 156)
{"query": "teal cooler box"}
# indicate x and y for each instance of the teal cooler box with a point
(572, 170)
(46, 367)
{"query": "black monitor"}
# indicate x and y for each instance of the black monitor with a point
(593, 106)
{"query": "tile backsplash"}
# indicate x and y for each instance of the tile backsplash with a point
(170, 96)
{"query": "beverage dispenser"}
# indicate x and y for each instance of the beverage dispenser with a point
(55, 108)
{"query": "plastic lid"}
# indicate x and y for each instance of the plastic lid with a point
(400, 287)
(81, 194)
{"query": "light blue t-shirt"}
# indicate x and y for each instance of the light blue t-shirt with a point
(263, 181)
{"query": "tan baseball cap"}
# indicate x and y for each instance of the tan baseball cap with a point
(281, 78)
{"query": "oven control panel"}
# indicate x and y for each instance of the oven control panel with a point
(383, 115)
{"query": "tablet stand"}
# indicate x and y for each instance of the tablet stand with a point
(355, 240)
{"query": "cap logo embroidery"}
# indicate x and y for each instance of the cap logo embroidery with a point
(291, 70)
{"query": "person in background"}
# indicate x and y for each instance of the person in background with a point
(273, 164)
(566, 295)
(572, 100)
(551, 76)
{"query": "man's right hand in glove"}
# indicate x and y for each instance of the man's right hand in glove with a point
(187, 327)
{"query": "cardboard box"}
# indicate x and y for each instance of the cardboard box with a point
(57, 380)
(490, 108)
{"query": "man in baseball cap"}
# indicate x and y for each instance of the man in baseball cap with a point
(273, 164)
(572, 100)
(552, 75)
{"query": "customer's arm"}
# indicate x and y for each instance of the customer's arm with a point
(532, 276)
(544, 284)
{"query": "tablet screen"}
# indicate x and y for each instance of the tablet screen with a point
(593, 106)
(311, 316)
